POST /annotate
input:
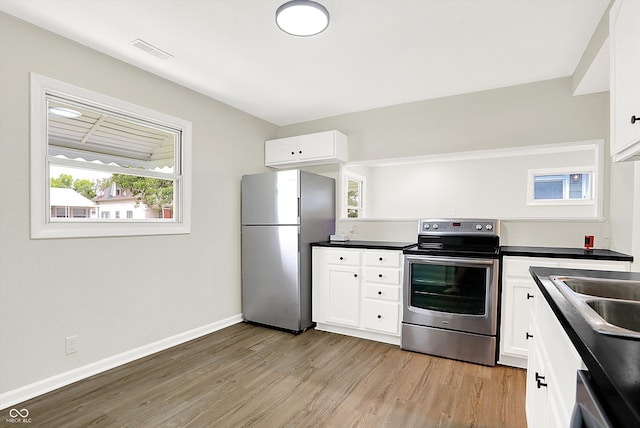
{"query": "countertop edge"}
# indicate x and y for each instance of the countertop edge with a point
(370, 245)
(591, 345)
(565, 253)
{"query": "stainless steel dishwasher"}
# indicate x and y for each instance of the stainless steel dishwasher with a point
(587, 412)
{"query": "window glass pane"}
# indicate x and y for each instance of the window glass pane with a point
(96, 194)
(352, 212)
(570, 186)
(548, 189)
(353, 193)
(80, 132)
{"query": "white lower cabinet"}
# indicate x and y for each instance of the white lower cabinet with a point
(551, 371)
(517, 297)
(343, 295)
(357, 292)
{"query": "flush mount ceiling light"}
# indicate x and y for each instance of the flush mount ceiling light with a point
(302, 18)
(65, 112)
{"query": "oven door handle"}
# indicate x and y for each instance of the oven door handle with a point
(458, 261)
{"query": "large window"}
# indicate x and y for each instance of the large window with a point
(92, 154)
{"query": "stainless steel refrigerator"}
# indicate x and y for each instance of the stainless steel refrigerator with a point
(282, 213)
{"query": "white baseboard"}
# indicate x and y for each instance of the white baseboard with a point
(26, 392)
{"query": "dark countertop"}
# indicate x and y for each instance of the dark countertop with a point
(565, 253)
(372, 245)
(613, 362)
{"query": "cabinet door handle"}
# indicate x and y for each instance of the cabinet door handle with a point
(300, 152)
(539, 380)
(528, 336)
(634, 119)
(380, 259)
(379, 316)
(529, 296)
(379, 293)
(341, 258)
(379, 275)
(293, 153)
(355, 275)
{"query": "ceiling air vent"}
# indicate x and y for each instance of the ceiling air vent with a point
(150, 49)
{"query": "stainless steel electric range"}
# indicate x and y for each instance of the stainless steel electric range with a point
(450, 305)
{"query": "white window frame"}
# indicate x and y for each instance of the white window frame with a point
(41, 226)
(346, 177)
(593, 185)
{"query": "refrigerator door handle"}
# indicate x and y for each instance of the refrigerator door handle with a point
(299, 208)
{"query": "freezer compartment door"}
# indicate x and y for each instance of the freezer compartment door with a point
(271, 198)
(271, 276)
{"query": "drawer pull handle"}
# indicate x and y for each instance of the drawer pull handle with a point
(355, 275)
(634, 119)
(379, 275)
(341, 258)
(529, 296)
(379, 293)
(379, 316)
(380, 259)
(528, 336)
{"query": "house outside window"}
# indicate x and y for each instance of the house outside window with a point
(561, 186)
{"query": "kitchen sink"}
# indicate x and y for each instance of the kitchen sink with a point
(601, 287)
(617, 312)
(610, 306)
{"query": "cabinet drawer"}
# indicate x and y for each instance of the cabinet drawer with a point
(381, 316)
(382, 292)
(342, 257)
(382, 275)
(383, 258)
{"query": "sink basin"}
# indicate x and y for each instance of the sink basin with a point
(619, 313)
(610, 306)
(601, 287)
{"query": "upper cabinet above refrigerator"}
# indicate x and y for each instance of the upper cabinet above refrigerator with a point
(304, 150)
(624, 39)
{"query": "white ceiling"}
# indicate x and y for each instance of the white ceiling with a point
(375, 53)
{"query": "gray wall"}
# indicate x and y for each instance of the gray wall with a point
(116, 294)
(523, 115)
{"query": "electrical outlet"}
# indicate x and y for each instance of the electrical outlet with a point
(71, 344)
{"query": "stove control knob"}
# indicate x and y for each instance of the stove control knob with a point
(478, 227)
(489, 227)
(426, 226)
(436, 226)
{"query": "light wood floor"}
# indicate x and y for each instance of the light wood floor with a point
(246, 376)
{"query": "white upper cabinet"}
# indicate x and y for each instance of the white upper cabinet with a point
(624, 40)
(311, 149)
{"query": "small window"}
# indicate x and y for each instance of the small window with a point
(89, 151)
(354, 195)
(554, 186)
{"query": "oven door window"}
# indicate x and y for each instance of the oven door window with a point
(451, 289)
